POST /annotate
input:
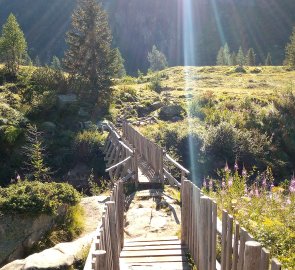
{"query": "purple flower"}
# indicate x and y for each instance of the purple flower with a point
(211, 184)
(246, 190)
(264, 181)
(226, 168)
(244, 172)
(204, 183)
(236, 166)
(292, 185)
(256, 192)
(230, 181)
(223, 184)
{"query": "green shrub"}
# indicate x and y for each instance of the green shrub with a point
(36, 197)
(155, 84)
(87, 142)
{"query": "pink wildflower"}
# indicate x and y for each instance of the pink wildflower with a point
(226, 168)
(244, 172)
(204, 183)
(211, 184)
(223, 184)
(256, 192)
(236, 166)
(292, 185)
(230, 181)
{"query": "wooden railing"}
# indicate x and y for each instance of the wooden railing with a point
(200, 227)
(108, 240)
(148, 150)
(120, 156)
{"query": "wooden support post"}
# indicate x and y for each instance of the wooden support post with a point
(276, 265)
(252, 256)
(214, 236)
(204, 254)
(265, 256)
(229, 238)
(184, 212)
(236, 247)
(100, 259)
(121, 205)
(223, 240)
(135, 164)
(113, 234)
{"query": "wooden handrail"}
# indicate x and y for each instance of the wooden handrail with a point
(177, 164)
(118, 164)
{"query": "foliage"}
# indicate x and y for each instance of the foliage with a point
(266, 211)
(36, 197)
(55, 63)
(251, 57)
(240, 57)
(268, 60)
(89, 53)
(157, 59)
(95, 188)
(290, 51)
(87, 142)
(155, 83)
(118, 64)
(35, 155)
(13, 45)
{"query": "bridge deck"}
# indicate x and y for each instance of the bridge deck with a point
(154, 254)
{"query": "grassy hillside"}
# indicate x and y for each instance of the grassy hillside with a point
(243, 115)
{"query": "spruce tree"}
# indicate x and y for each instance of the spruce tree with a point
(233, 58)
(118, 64)
(290, 51)
(220, 57)
(13, 45)
(268, 60)
(35, 154)
(226, 55)
(55, 63)
(251, 57)
(240, 57)
(157, 59)
(89, 53)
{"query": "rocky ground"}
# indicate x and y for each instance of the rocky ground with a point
(152, 217)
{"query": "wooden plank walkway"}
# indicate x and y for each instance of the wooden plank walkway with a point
(154, 254)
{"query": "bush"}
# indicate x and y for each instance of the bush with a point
(88, 142)
(36, 197)
(155, 84)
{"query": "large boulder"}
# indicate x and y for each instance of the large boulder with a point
(59, 257)
(171, 112)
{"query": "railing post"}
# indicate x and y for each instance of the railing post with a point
(252, 256)
(100, 260)
(113, 234)
(135, 165)
(184, 212)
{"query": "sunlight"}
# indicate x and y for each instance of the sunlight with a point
(189, 60)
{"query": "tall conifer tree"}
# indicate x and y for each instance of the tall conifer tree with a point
(251, 57)
(13, 46)
(240, 57)
(290, 51)
(89, 53)
(268, 60)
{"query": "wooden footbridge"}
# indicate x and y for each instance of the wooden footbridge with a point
(207, 241)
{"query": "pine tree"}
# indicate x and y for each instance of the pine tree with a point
(55, 63)
(240, 57)
(251, 57)
(268, 60)
(89, 53)
(37, 61)
(35, 154)
(233, 58)
(118, 63)
(290, 51)
(157, 59)
(220, 57)
(226, 54)
(13, 46)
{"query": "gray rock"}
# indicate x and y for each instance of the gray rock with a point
(156, 105)
(66, 99)
(64, 254)
(168, 112)
(82, 112)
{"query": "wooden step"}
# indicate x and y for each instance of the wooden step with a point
(163, 238)
(153, 247)
(152, 253)
(154, 243)
(157, 266)
(154, 259)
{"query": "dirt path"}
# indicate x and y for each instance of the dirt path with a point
(93, 207)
